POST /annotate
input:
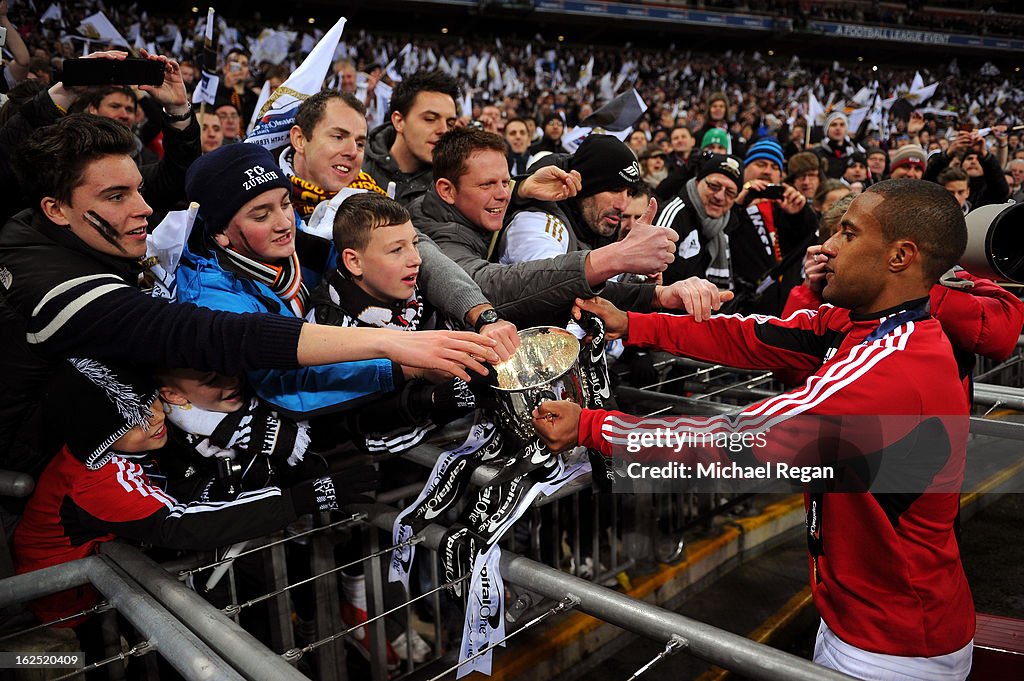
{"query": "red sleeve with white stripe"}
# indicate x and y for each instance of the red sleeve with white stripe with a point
(985, 319)
(119, 499)
(754, 342)
(868, 397)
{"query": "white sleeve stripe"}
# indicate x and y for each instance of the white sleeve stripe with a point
(839, 371)
(214, 506)
(815, 384)
(668, 215)
(68, 285)
(132, 478)
(861, 360)
(71, 310)
(767, 421)
(616, 433)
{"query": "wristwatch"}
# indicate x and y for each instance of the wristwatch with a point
(177, 118)
(488, 316)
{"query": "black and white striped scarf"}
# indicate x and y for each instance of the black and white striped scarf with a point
(285, 279)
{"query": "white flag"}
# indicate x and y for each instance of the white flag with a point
(206, 89)
(98, 27)
(276, 117)
(815, 112)
(920, 95)
(377, 114)
(918, 82)
(397, 65)
(586, 74)
(52, 13)
(856, 117)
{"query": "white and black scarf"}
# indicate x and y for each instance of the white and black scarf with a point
(284, 279)
(254, 430)
(719, 270)
(340, 302)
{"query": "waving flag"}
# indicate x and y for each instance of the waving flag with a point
(616, 118)
(98, 27)
(206, 91)
(275, 117)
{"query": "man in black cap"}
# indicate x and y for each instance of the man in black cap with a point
(857, 171)
(609, 173)
(589, 221)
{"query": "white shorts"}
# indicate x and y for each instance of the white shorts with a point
(830, 651)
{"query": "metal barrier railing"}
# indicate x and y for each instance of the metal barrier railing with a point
(544, 559)
(201, 642)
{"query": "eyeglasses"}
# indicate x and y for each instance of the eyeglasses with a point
(228, 115)
(715, 187)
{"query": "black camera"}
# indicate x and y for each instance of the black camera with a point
(772, 191)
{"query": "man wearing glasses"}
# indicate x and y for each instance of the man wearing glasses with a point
(701, 214)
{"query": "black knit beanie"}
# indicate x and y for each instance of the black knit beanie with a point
(225, 179)
(106, 402)
(605, 164)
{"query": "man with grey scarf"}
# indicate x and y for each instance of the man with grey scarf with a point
(702, 216)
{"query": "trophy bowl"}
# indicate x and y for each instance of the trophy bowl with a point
(545, 367)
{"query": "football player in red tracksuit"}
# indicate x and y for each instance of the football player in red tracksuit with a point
(885, 568)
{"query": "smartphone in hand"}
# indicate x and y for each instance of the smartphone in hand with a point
(772, 191)
(112, 72)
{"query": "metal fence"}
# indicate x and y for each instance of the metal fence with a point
(564, 555)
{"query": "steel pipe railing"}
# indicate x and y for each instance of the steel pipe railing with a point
(707, 642)
(165, 631)
(236, 646)
(33, 585)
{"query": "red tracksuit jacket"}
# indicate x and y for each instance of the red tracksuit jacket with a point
(885, 568)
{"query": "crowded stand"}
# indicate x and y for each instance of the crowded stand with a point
(225, 312)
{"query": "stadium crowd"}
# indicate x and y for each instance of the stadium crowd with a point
(340, 296)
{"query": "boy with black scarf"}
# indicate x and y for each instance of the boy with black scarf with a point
(374, 284)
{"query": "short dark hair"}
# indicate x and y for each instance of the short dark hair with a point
(94, 96)
(311, 111)
(422, 81)
(18, 96)
(456, 146)
(928, 215)
(952, 175)
(359, 215)
(52, 161)
(517, 119)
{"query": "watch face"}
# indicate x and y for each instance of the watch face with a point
(486, 317)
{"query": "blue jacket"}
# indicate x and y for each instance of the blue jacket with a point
(307, 391)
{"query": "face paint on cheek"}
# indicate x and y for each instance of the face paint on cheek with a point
(105, 229)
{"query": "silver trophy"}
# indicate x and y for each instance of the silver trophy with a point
(545, 367)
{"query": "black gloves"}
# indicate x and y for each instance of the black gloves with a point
(331, 492)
